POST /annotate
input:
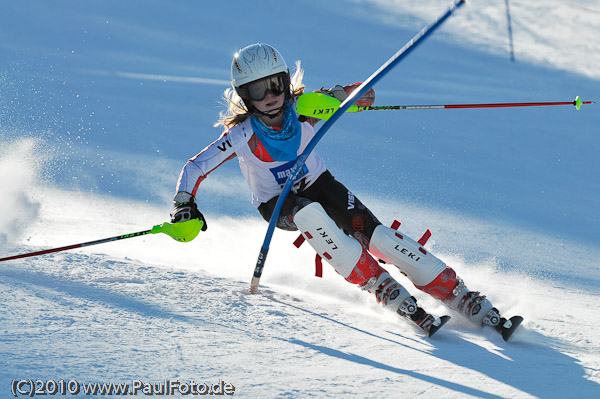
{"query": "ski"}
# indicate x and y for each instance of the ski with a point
(507, 327)
(428, 323)
(437, 324)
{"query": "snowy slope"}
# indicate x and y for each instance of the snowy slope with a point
(100, 105)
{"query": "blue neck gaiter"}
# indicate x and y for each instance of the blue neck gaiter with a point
(281, 145)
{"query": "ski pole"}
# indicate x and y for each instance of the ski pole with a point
(362, 89)
(183, 232)
(322, 106)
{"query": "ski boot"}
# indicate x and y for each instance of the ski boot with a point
(392, 295)
(426, 322)
(451, 290)
(472, 304)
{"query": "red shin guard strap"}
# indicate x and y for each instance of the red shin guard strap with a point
(318, 266)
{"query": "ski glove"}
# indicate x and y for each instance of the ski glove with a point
(185, 209)
(342, 92)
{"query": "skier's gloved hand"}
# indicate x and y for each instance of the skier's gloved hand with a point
(185, 209)
(342, 92)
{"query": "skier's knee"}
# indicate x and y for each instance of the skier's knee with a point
(330, 242)
(391, 246)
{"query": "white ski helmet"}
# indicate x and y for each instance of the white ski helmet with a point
(254, 62)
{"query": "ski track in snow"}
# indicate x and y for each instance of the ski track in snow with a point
(483, 24)
(143, 321)
(98, 314)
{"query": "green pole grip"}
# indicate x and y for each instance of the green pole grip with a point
(182, 232)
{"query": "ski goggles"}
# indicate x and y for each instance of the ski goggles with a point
(257, 90)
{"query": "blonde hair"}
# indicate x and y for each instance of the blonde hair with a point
(236, 112)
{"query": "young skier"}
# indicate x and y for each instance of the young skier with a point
(263, 130)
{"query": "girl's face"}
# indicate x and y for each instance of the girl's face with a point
(271, 102)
